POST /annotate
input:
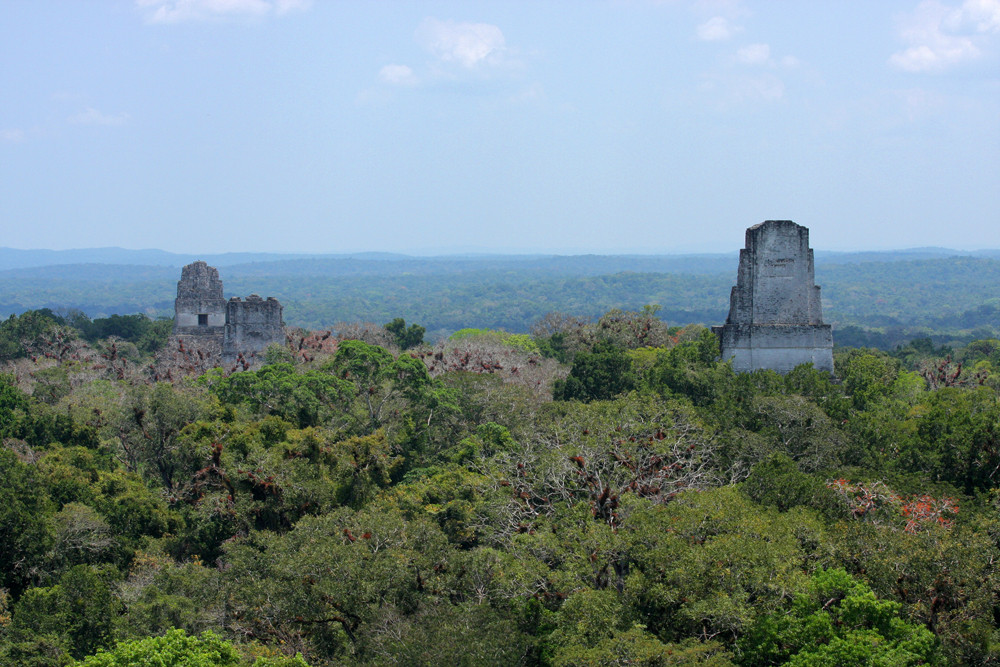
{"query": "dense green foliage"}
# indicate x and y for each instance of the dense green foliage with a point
(42, 332)
(148, 335)
(177, 649)
(405, 337)
(600, 374)
(603, 492)
(838, 621)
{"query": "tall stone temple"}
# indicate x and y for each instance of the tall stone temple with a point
(775, 316)
(219, 327)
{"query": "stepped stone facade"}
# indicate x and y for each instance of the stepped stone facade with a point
(252, 325)
(223, 328)
(199, 308)
(775, 317)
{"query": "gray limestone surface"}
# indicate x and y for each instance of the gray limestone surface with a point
(775, 316)
(219, 327)
(199, 308)
(252, 325)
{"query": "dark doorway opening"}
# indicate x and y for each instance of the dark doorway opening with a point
(203, 319)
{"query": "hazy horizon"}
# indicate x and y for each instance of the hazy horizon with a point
(477, 252)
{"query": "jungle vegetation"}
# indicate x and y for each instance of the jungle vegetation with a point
(599, 491)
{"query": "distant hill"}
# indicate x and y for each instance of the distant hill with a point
(907, 255)
(12, 258)
(903, 291)
(377, 262)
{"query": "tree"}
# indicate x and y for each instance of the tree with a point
(81, 536)
(838, 621)
(366, 466)
(329, 585)
(148, 335)
(598, 375)
(33, 330)
(634, 329)
(593, 628)
(81, 609)
(14, 405)
(161, 594)
(174, 649)
(795, 426)
(777, 481)
(405, 338)
(178, 649)
(691, 369)
(25, 533)
(131, 508)
(149, 428)
(378, 379)
(443, 633)
(710, 563)
(561, 336)
(868, 377)
(955, 437)
(307, 399)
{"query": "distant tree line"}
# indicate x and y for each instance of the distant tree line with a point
(872, 304)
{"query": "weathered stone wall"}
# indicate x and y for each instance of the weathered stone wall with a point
(199, 293)
(775, 314)
(778, 347)
(207, 325)
(251, 326)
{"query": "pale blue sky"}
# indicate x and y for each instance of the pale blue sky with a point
(566, 127)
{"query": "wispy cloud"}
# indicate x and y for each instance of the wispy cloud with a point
(11, 136)
(91, 116)
(942, 36)
(468, 44)
(398, 75)
(753, 75)
(754, 54)
(177, 11)
(717, 29)
(461, 52)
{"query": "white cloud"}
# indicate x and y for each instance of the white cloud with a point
(717, 29)
(468, 44)
(176, 11)
(981, 16)
(92, 116)
(11, 136)
(754, 54)
(942, 36)
(399, 75)
(461, 53)
(285, 6)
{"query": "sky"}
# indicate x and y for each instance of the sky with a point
(633, 126)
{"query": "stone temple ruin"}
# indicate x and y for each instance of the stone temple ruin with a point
(775, 315)
(221, 328)
(775, 319)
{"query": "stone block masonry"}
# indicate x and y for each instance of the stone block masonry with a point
(199, 308)
(221, 328)
(775, 314)
(252, 325)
